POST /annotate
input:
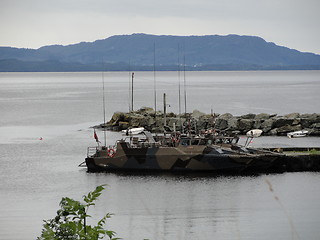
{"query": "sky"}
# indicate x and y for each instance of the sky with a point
(36, 23)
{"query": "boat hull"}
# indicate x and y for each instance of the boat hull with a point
(195, 158)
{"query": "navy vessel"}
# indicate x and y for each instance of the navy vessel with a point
(175, 152)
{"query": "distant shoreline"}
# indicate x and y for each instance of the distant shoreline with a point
(13, 65)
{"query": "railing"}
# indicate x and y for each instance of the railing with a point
(91, 151)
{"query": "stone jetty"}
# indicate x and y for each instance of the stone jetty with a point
(270, 124)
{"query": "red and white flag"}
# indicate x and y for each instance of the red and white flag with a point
(95, 136)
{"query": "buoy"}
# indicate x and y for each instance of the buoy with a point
(111, 152)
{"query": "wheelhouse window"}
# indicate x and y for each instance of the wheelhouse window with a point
(185, 142)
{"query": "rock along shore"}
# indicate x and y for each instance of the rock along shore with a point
(270, 124)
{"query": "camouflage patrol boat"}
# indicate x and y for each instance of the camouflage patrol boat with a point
(179, 153)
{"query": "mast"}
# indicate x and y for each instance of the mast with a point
(179, 87)
(184, 81)
(154, 79)
(132, 76)
(164, 110)
(104, 112)
(129, 90)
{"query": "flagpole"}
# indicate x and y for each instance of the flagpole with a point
(96, 136)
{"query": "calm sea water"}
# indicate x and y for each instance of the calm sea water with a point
(59, 108)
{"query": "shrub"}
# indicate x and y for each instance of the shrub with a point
(71, 221)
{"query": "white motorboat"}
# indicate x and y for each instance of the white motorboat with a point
(133, 131)
(254, 133)
(298, 134)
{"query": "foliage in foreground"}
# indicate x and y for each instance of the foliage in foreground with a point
(71, 221)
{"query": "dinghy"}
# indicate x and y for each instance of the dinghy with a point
(133, 131)
(298, 134)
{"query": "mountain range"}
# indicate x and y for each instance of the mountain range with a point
(149, 52)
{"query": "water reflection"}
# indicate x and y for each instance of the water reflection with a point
(166, 206)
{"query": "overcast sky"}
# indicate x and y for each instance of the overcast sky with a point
(36, 23)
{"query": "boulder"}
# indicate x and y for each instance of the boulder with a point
(245, 124)
(150, 120)
(171, 115)
(196, 114)
(221, 124)
(172, 121)
(157, 122)
(138, 121)
(233, 123)
(123, 125)
(222, 121)
(296, 121)
(315, 125)
(117, 116)
(280, 122)
(115, 128)
(205, 121)
(292, 115)
(248, 116)
(156, 129)
(257, 124)
(308, 119)
(314, 129)
(260, 121)
(306, 122)
(126, 117)
(266, 125)
(102, 125)
(145, 110)
(273, 132)
(225, 116)
(310, 115)
(262, 116)
(315, 132)
(288, 128)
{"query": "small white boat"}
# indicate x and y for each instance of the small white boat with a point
(133, 131)
(298, 134)
(254, 133)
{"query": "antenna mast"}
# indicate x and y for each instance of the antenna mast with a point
(132, 76)
(154, 79)
(179, 87)
(129, 90)
(104, 112)
(184, 80)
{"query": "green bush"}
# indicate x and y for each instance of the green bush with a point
(70, 222)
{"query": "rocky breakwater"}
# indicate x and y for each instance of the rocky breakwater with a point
(270, 124)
